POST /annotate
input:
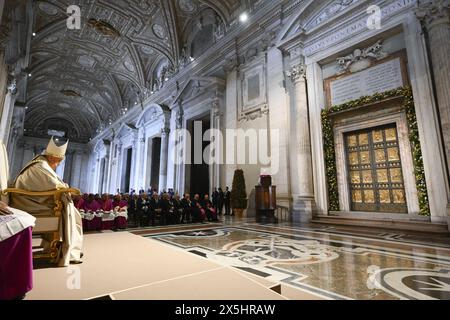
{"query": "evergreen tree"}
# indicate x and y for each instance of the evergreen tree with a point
(238, 192)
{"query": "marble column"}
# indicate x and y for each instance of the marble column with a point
(8, 110)
(279, 129)
(148, 162)
(28, 154)
(77, 165)
(109, 166)
(73, 168)
(427, 118)
(105, 174)
(84, 171)
(177, 149)
(118, 174)
(68, 167)
(215, 181)
(106, 168)
(304, 201)
(164, 158)
(316, 103)
(140, 183)
(98, 168)
(134, 163)
(435, 16)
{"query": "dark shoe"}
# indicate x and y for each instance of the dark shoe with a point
(76, 262)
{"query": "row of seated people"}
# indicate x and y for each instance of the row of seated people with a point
(102, 213)
(112, 212)
(168, 209)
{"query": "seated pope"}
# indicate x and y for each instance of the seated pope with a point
(39, 175)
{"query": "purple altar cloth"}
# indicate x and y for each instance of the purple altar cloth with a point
(16, 265)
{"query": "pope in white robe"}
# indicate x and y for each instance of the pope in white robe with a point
(39, 175)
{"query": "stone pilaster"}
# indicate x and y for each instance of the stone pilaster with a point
(164, 158)
(140, 183)
(8, 110)
(216, 125)
(106, 168)
(435, 17)
(303, 203)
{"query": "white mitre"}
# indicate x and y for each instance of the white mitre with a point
(55, 151)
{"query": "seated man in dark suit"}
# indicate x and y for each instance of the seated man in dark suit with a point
(166, 208)
(143, 209)
(154, 209)
(133, 211)
(186, 204)
(177, 208)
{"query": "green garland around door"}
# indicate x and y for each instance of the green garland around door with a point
(330, 154)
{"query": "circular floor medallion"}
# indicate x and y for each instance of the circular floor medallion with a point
(415, 284)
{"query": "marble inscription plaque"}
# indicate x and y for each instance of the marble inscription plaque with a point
(380, 78)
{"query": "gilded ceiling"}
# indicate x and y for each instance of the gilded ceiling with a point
(88, 77)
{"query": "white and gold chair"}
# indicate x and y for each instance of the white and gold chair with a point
(48, 224)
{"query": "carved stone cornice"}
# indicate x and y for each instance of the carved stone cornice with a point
(433, 12)
(297, 73)
(255, 115)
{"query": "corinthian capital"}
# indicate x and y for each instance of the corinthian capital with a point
(12, 84)
(297, 73)
(165, 132)
(433, 12)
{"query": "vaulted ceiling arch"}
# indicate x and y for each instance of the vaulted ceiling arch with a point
(102, 68)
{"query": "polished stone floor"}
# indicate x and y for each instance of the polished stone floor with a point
(330, 262)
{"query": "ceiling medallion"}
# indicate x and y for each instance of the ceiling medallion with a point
(64, 105)
(147, 50)
(48, 8)
(129, 66)
(50, 39)
(186, 6)
(86, 61)
(159, 31)
(70, 93)
(103, 28)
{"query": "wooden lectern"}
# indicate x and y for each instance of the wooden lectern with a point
(266, 200)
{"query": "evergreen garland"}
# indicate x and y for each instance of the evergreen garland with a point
(330, 161)
(330, 154)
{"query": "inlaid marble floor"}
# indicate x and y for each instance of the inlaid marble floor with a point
(332, 262)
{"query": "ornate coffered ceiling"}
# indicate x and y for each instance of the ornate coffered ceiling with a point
(82, 80)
